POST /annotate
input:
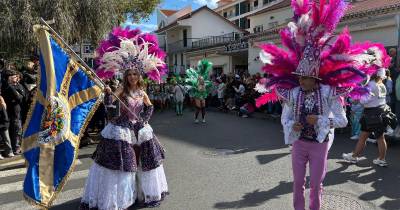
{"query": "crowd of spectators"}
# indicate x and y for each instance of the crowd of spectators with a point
(17, 87)
(230, 93)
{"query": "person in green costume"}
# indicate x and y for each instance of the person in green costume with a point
(199, 85)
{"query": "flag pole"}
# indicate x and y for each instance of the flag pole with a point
(83, 63)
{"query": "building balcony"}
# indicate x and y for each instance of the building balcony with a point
(181, 45)
(216, 40)
(207, 42)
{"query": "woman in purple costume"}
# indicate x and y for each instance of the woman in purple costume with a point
(128, 160)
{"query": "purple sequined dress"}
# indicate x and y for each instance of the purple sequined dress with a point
(127, 163)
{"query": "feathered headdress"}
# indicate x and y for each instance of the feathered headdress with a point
(130, 49)
(192, 77)
(313, 51)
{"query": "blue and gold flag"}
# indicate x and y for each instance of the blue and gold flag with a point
(66, 98)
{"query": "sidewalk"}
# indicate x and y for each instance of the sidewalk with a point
(9, 160)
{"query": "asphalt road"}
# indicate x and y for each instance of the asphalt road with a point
(234, 163)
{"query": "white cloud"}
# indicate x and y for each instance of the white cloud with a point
(210, 3)
(145, 27)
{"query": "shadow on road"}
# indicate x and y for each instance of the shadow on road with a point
(221, 131)
(73, 204)
(265, 159)
(383, 180)
(257, 197)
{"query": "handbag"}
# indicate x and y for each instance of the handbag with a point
(389, 117)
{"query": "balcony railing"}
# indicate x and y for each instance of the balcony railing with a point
(181, 45)
(195, 44)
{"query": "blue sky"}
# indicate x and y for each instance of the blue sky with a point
(151, 24)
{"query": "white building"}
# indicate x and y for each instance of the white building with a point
(373, 20)
(192, 35)
(238, 11)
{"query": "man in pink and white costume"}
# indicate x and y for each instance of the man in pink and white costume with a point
(311, 77)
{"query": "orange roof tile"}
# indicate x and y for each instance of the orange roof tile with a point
(168, 12)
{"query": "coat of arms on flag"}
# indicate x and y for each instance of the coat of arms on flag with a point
(66, 98)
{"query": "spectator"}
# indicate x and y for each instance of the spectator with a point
(4, 124)
(389, 89)
(221, 93)
(30, 76)
(179, 97)
(230, 93)
(15, 97)
(389, 95)
(239, 93)
(356, 113)
(246, 110)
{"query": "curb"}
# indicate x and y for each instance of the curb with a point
(9, 160)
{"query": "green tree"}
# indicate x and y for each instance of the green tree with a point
(75, 20)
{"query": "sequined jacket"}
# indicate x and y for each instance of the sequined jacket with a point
(333, 114)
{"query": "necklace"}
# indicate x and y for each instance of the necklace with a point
(309, 101)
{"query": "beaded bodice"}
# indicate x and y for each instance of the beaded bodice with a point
(134, 101)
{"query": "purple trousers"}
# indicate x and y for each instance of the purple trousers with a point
(315, 154)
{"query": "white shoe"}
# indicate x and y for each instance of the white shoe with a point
(10, 155)
(355, 137)
(1, 157)
(245, 116)
(371, 140)
(349, 157)
(196, 121)
(389, 131)
(380, 162)
(203, 121)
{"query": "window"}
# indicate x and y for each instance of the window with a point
(248, 24)
(243, 7)
(225, 14)
(237, 11)
(181, 59)
(268, 1)
(237, 22)
(175, 59)
(242, 23)
(255, 3)
(258, 29)
(185, 38)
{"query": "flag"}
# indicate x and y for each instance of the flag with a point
(66, 98)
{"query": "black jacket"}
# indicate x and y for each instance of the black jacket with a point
(4, 121)
(15, 97)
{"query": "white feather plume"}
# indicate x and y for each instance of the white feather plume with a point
(265, 57)
(117, 60)
(260, 88)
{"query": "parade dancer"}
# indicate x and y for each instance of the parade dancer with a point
(376, 117)
(199, 87)
(128, 160)
(311, 79)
